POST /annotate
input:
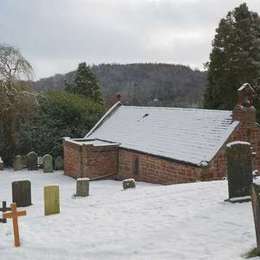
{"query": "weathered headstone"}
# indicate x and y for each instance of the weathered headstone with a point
(59, 163)
(82, 187)
(1, 164)
(18, 163)
(255, 198)
(21, 191)
(47, 163)
(4, 209)
(32, 161)
(40, 162)
(128, 184)
(51, 200)
(239, 170)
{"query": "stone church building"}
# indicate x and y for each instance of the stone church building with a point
(163, 145)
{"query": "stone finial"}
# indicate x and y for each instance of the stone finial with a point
(246, 95)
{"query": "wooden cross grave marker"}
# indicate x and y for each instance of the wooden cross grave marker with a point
(4, 209)
(14, 214)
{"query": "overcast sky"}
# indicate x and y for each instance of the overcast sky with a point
(55, 35)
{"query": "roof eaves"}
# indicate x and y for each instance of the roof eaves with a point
(103, 118)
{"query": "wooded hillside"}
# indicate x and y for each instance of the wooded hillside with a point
(141, 84)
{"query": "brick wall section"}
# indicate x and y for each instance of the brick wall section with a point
(97, 161)
(71, 159)
(154, 169)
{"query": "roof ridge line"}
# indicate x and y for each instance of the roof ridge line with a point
(178, 108)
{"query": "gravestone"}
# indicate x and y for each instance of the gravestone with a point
(18, 163)
(128, 184)
(59, 163)
(4, 209)
(32, 161)
(255, 198)
(47, 163)
(40, 162)
(21, 191)
(239, 170)
(82, 187)
(51, 200)
(1, 164)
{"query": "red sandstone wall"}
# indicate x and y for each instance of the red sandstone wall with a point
(71, 159)
(99, 161)
(155, 170)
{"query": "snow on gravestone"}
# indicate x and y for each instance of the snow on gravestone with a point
(18, 163)
(128, 184)
(4, 209)
(51, 200)
(82, 187)
(59, 164)
(1, 164)
(47, 163)
(32, 161)
(21, 191)
(255, 197)
(239, 169)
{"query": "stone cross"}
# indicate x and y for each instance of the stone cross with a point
(128, 184)
(47, 163)
(82, 187)
(21, 191)
(255, 198)
(4, 209)
(32, 161)
(51, 200)
(239, 169)
(14, 214)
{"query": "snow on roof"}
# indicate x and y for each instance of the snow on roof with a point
(188, 135)
(94, 142)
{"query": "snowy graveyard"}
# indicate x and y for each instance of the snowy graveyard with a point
(184, 221)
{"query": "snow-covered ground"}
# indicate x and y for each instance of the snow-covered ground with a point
(185, 221)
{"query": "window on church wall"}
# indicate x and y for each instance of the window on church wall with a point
(136, 166)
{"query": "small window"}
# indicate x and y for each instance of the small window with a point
(136, 166)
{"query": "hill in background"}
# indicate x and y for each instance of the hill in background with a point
(141, 84)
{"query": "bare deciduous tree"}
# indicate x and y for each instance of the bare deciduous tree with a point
(16, 99)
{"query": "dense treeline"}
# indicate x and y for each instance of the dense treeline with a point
(142, 84)
(31, 121)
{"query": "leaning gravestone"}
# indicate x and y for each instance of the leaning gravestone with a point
(59, 164)
(1, 164)
(51, 200)
(82, 187)
(32, 161)
(239, 170)
(21, 191)
(18, 163)
(255, 197)
(47, 163)
(128, 184)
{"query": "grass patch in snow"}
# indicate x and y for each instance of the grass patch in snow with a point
(253, 253)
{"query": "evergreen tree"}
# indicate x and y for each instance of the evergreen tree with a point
(235, 57)
(86, 84)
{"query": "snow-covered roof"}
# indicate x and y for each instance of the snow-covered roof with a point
(188, 135)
